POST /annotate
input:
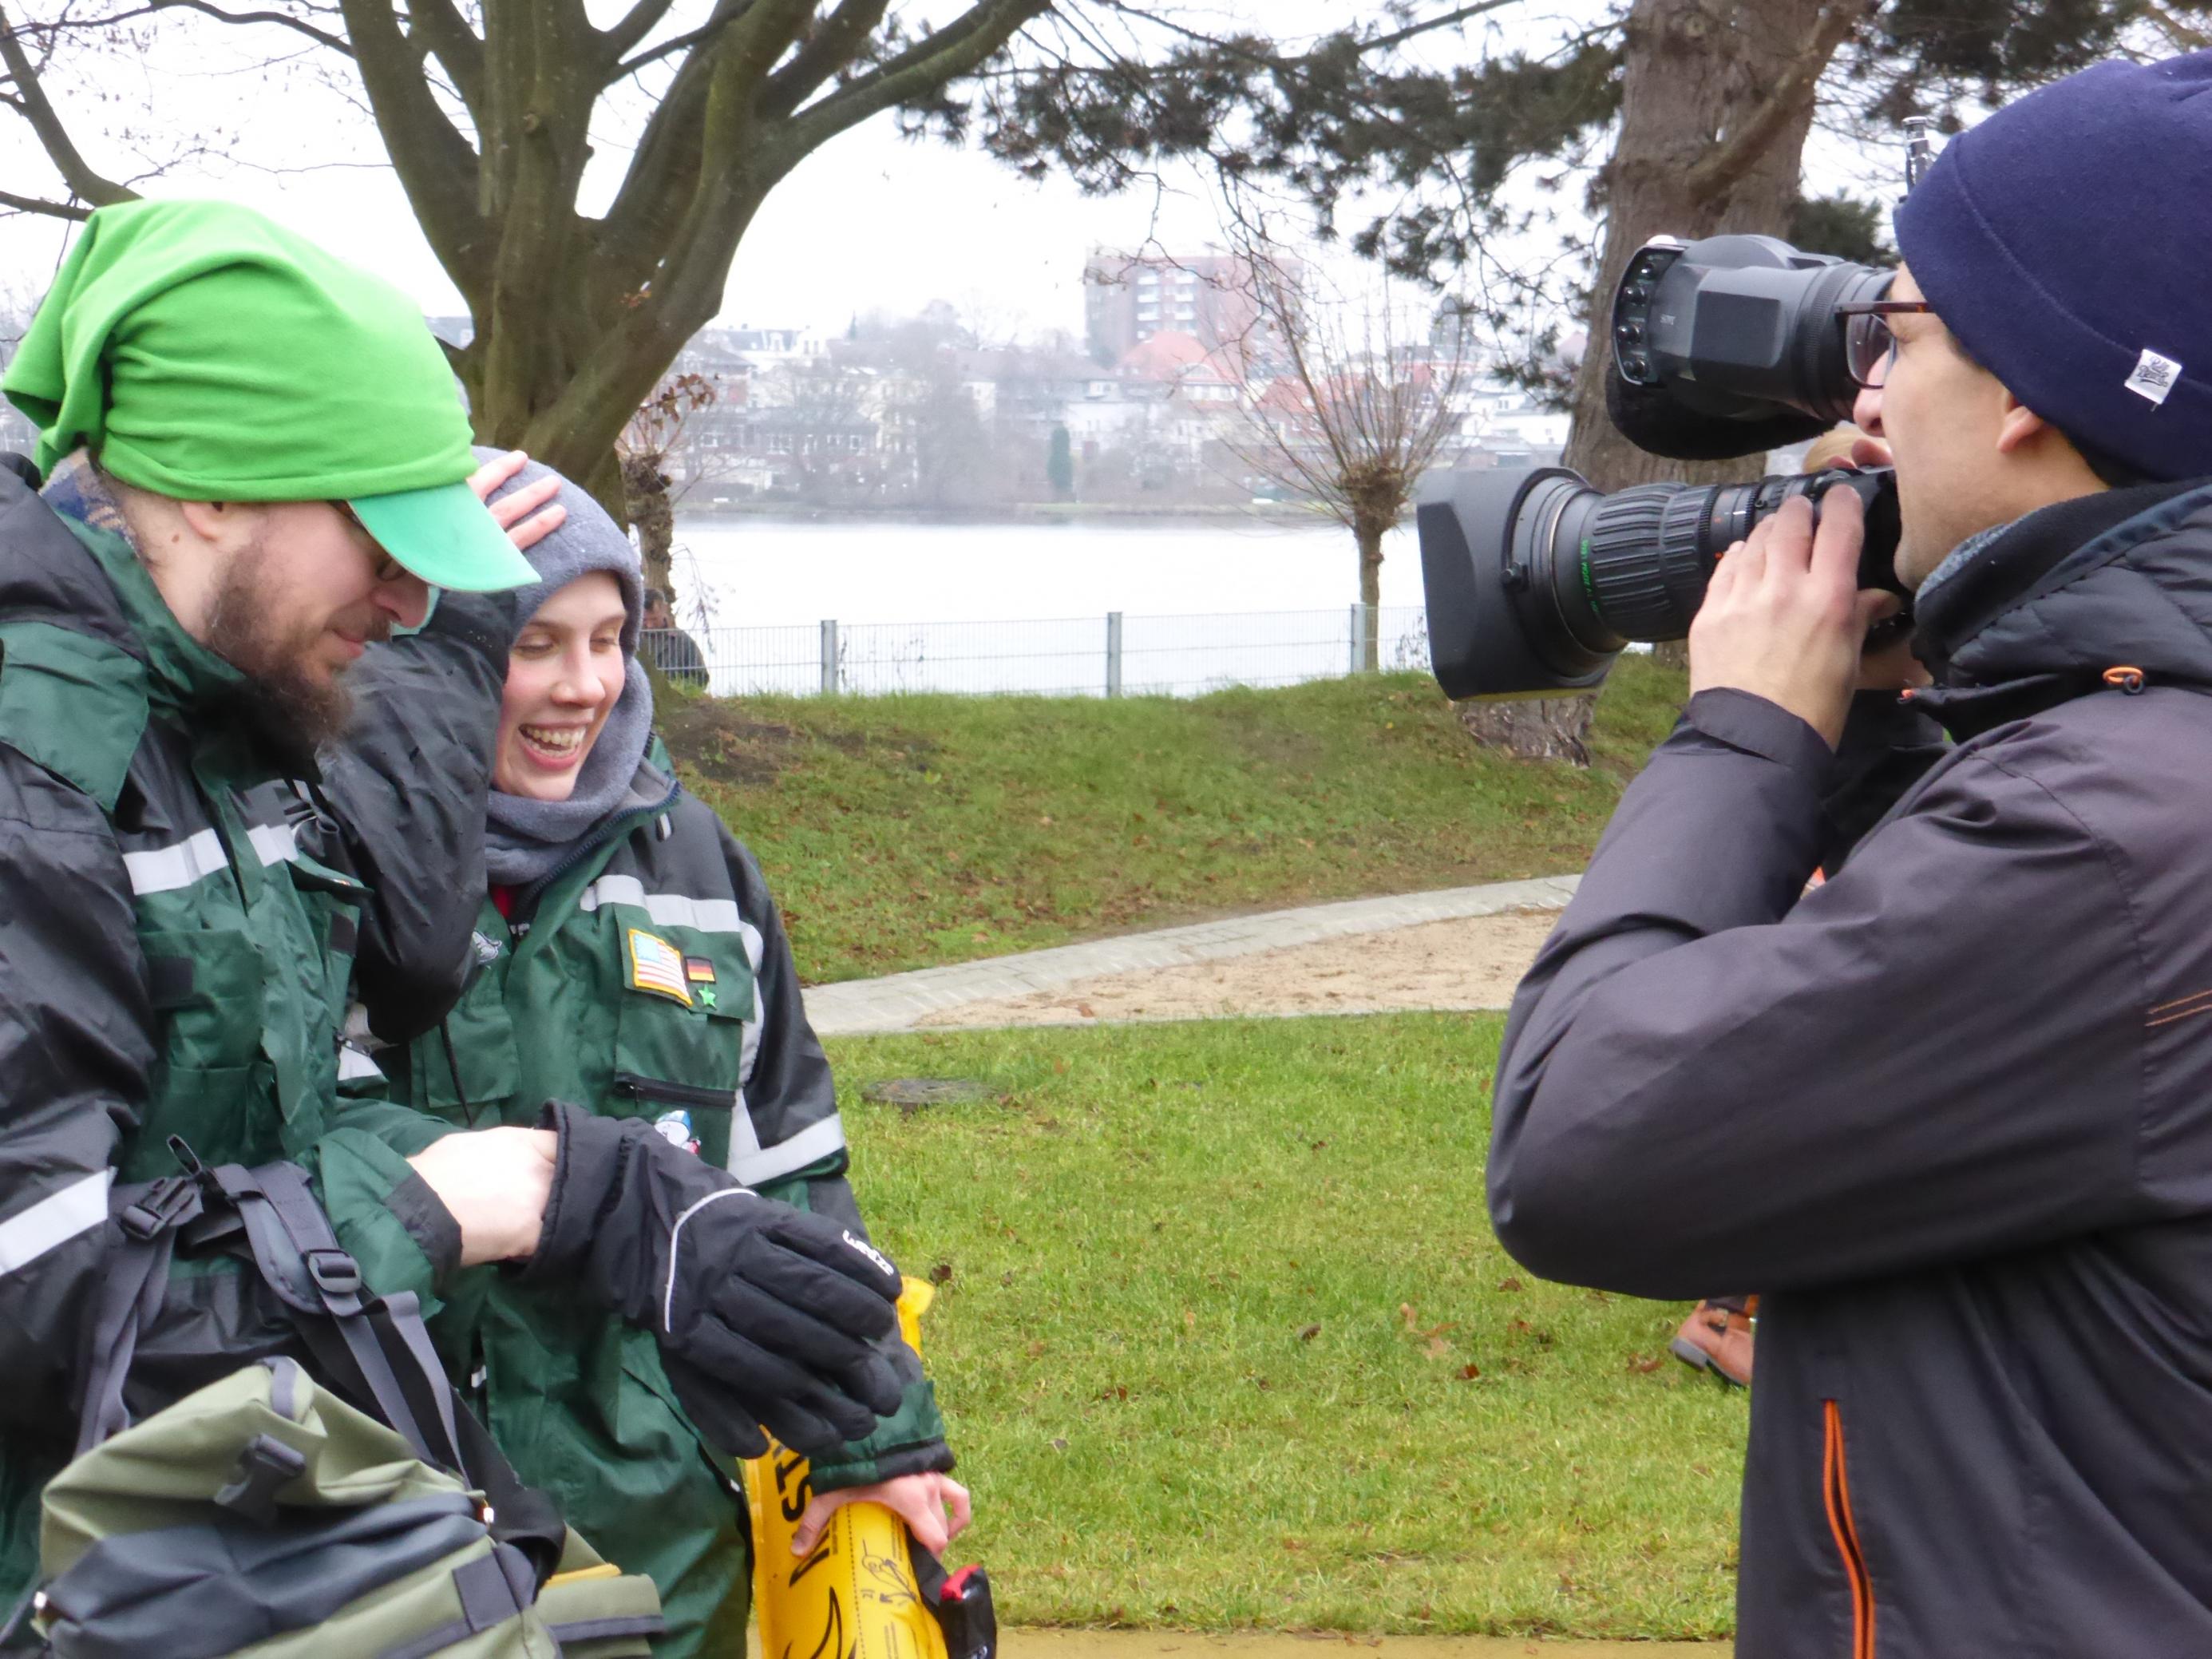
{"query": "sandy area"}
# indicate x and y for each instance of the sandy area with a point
(1471, 963)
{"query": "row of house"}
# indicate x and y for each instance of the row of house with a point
(871, 414)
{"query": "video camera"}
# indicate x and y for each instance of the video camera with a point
(1729, 346)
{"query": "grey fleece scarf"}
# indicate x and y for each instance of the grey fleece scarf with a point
(525, 840)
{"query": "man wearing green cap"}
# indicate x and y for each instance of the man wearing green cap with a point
(257, 469)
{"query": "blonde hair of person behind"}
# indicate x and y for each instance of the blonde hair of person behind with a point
(1831, 448)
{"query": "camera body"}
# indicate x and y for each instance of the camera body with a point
(1727, 346)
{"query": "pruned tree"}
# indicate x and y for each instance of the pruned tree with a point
(508, 122)
(645, 450)
(1363, 405)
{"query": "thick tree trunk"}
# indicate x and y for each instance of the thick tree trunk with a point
(1369, 536)
(1718, 97)
(1532, 728)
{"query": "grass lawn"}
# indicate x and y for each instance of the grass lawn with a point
(900, 832)
(1225, 1340)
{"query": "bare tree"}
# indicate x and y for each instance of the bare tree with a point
(645, 450)
(1361, 410)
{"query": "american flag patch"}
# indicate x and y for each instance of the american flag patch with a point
(657, 966)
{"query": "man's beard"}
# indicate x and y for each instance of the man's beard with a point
(285, 701)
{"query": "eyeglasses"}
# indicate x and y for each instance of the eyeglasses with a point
(388, 569)
(1869, 343)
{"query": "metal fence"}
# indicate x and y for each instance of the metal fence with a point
(1113, 656)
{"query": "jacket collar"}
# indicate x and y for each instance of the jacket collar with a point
(2040, 613)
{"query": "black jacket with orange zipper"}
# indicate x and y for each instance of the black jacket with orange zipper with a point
(1950, 1112)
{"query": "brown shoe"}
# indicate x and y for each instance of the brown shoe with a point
(1717, 1339)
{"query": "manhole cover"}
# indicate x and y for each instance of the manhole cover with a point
(912, 1093)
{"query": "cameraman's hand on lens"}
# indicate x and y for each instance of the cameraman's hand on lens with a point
(1784, 618)
(765, 1314)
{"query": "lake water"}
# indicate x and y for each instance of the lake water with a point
(769, 571)
(977, 607)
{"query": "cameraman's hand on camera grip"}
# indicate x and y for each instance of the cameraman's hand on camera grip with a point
(765, 1314)
(1784, 618)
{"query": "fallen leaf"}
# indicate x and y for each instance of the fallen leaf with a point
(1468, 1373)
(1036, 1350)
(941, 1273)
(1060, 1445)
(1307, 1333)
(1645, 1364)
(1086, 1011)
(1189, 1320)
(1436, 1347)
(1406, 1314)
(1509, 1283)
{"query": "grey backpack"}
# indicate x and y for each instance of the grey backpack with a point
(266, 1516)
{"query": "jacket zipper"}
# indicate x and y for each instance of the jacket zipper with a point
(1836, 1481)
(676, 1094)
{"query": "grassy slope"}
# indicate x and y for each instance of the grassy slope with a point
(905, 831)
(1143, 1228)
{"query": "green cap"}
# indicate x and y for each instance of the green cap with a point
(203, 352)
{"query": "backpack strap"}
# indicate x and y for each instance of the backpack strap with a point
(130, 1294)
(385, 1347)
(389, 1349)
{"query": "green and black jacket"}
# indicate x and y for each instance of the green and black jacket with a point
(650, 978)
(174, 960)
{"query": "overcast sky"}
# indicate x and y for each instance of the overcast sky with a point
(870, 220)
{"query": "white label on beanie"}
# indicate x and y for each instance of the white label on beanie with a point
(2154, 377)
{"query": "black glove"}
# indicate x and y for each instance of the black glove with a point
(766, 1315)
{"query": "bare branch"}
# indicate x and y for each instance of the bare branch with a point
(440, 26)
(49, 210)
(53, 137)
(962, 46)
(281, 19)
(631, 28)
(833, 45)
(437, 166)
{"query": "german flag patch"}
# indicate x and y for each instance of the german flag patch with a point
(657, 966)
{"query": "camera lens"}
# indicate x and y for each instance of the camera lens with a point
(1536, 581)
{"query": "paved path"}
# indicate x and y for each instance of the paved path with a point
(1158, 1644)
(897, 1002)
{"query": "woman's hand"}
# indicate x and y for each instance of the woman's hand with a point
(514, 512)
(919, 1500)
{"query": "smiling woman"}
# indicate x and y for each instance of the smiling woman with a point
(566, 674)
(657, 995)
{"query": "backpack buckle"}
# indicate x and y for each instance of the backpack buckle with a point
(335, 1272)
(264, 1464)
(168, 1203)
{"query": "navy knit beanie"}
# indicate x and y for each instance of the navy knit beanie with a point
(2067, 242)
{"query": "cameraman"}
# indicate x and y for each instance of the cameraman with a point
(1952, 1112)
